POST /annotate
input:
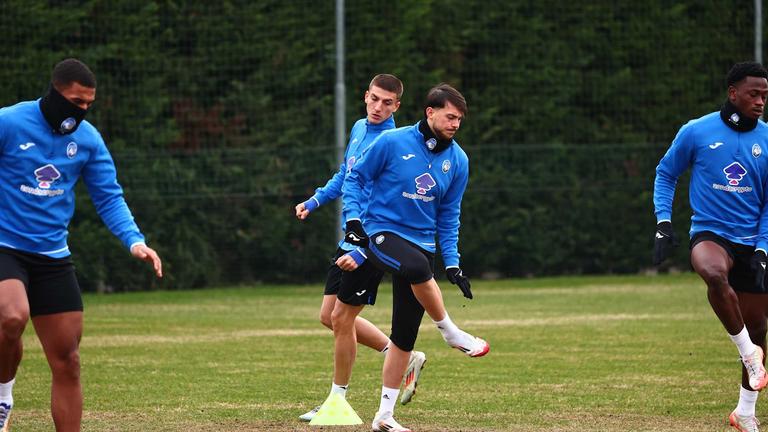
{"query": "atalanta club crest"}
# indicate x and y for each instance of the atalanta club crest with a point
(71, 149)
(68, 125)
(756, 150)
(446, 165)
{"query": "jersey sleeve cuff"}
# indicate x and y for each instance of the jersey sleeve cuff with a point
(358, 255)
(311, 203)
(133, 239)
(451, 262)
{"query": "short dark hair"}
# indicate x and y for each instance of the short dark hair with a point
(739, 71)
(71, 71)
(389, 83)
(442, 93)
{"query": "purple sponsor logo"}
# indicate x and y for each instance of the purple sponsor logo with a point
(46, 175)
(734, 173)
(424, 183)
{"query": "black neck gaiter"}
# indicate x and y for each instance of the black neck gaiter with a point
(736, 120)
(62, 115)
(433, 143)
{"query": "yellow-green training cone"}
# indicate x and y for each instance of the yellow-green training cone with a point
(335, 411)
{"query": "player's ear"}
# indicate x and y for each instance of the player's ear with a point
(429, 111)
(365, 97)
(397, 106)
(732, 93)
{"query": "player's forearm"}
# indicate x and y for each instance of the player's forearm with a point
(663, 195)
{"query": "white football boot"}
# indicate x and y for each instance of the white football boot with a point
(411, 377)
(470, 345)
(307, 416)
(384, 422)
(744, 424)
(5, 416)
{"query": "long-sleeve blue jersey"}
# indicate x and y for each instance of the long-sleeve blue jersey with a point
(414, 193)
(362, 135)
(729, 176)
(38, 173)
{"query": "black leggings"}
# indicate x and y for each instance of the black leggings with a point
(408, 265)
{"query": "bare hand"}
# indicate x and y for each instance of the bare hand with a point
(301, 211)
(346, 263)
(146, 253)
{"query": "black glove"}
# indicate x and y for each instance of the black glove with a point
(664, 242)
(355, 234)
(758, 263)
(457, 278)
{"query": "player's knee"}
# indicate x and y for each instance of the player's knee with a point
(342, 319)
(66, 365)
(714, 276)
(403, 340)
(325, 319)
(404, 333)
(13, 323)
(417, 271)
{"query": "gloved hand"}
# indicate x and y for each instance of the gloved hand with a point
(664, 242)
(758, 264)
(457, 278)
(355, 234)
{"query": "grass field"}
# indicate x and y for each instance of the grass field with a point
(567, 354)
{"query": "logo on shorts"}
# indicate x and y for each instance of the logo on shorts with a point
(446, 165)
(71, 149)
(756, 150)
(380, 239)
(424, 183)
(46, 175)
(734, 173)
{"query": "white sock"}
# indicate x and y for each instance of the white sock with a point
(747, 402)
(388, 399)
(448, 329)
(342, 390)
(386, 348)
(743, 342)
(6, 391)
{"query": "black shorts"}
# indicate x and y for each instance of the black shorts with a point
(398, 256)
(358, 287)
(50, 283)
(741, 277)
(408, 264)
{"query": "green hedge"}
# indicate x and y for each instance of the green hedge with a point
(220, 118)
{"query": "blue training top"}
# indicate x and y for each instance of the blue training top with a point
(415, 193)
(38, 173)
(729, 176)
(362, 135)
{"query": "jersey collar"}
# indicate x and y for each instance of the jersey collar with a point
(735, 119)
